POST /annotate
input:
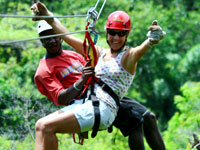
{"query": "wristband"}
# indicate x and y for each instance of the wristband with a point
(76, 87)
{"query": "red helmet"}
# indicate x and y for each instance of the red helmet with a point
(118, 20)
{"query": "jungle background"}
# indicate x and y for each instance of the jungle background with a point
(166, 81)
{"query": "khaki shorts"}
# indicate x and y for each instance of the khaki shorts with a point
(85, 114)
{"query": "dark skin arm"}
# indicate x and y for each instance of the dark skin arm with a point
(65, 96)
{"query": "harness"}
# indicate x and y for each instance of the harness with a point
(95, 103)
(91, 54)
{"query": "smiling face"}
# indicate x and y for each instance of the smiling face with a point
(53, 44)
(116, 39)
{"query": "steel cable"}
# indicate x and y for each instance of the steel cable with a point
(41, 17)
(42, 37)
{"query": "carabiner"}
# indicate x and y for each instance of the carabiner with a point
(80, 138)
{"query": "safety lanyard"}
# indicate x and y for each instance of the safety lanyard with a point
(91, 53)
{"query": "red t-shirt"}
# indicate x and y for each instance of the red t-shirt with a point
(58, 73)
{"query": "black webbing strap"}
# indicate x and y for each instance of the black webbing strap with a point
(97, 117)
(95, 103)
(107, 89)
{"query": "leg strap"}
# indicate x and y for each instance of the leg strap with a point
(107, 89)
(97, 117)
(95, 103)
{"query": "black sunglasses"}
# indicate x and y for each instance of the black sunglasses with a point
(120, 34)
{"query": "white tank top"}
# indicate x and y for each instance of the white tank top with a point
(113, 74)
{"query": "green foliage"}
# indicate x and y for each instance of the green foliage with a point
(104, 140)
(186, 120)
(136, 95)
(188, 66)
(27, 144)
(20, 101)
(160, 74)
(158, 77)
(5, 143)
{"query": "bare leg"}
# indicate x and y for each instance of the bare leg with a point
(135, 140)
(47, 127)
(152, 133)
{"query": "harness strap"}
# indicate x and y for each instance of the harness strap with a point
(89, 54)
(97, 117)
(107, 89)
(91, 50)
(95, 103)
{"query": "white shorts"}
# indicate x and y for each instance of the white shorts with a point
(84, 113)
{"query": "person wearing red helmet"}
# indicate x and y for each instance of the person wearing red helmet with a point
(116, 68)
(119, 23)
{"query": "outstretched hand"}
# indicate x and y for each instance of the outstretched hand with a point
(39, 9)
(155, 33)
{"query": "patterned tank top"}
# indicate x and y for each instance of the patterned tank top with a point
(113, 74)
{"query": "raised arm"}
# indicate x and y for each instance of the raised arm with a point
(39, 9)
(133, 55)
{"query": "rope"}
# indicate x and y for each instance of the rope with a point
(41, 17)
(42, 37)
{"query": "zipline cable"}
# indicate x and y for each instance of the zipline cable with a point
(43, 17)
(101, 9)
(92, 25)
(93, 15)
(96, 4)
(42, 37)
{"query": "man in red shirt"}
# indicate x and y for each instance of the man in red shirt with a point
(59, 69)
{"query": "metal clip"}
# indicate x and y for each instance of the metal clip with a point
(80, 138)
(92, 14)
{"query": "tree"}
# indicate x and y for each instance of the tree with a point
(186, 119)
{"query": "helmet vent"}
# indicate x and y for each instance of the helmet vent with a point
(124, 24)
(118, 20)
